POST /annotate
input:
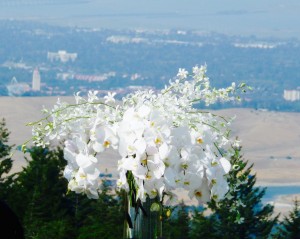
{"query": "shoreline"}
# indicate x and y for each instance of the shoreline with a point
(268, 184)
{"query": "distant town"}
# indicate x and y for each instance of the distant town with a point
(42, 60)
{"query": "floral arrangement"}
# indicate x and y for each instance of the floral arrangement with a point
(164, 142)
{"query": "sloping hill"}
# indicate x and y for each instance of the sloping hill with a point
(271, 140)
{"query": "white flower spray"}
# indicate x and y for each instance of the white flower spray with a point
(164, 142)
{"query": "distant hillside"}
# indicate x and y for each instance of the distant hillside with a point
(271, 140)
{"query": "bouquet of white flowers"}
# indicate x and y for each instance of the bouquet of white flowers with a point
(164, 142)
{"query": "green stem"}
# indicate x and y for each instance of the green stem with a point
(126, 229)
(66, 107)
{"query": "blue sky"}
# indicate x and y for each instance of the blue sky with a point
(240, 17)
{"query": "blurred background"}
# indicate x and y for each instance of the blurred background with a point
(54, 48)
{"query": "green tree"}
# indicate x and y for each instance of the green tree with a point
(106, 216)
(49, 211)
(5, 160)
(40, 195)
(177, 225)
(241, 213)
(9, 222)
(289, 228)
(202, 226)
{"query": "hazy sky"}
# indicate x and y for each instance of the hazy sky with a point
(258, 17)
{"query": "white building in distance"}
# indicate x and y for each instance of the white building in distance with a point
(17, 89)
(62, 56)
(36, 80)
(291, 95)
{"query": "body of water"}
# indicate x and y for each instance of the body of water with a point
(270, 17)
(273, 191)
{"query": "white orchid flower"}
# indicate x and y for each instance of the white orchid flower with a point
(164, 143)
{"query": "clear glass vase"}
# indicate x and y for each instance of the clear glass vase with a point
(145, 220)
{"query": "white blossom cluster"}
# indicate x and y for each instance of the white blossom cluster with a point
(164, 142)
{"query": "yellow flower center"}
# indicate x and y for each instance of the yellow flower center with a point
(213, 181)
(198, 194)
(106, 144)
(184, 166)
(154, 192)
(158, 141)
(215, 197)
(144, 161)
(199, 140)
